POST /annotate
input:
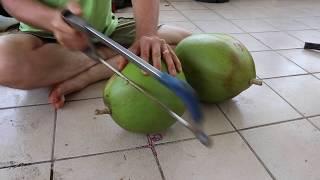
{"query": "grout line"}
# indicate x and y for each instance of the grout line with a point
(73, 157)
(45, 104)
(247, 143)
(272, 124)
(24, 106)
(193, 138)
(53, 144)
(24, 164)
(301, 114)
(102, 153)
(285, 76)
(155, 155)
(313, 124)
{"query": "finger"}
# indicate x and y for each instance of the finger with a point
(175, 58)
(74, 7)
(156, 54)
(122, 63)
(168, 59)
(145, 49)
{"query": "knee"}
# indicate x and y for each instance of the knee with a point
(11, 74)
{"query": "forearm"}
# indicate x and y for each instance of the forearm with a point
(31, 12)
(146, 14)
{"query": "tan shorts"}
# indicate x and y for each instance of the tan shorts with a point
(124, 34)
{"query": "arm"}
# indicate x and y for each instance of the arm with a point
(41, 16)
(146, 13)
(148, 43)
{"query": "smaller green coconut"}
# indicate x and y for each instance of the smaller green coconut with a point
(136, 112)
(217, 66)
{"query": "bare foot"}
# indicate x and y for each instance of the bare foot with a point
(77, 83)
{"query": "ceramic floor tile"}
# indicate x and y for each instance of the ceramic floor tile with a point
(307, 35)
(14, 97)
(278, 40)
(250, 42)
(26, 135)
(316, 121)
(200, 15)
(300, 91)
(188, 5)
(286, 24)
(218, 26)
(168, 16)
(253, 25)
(217, 6)
(186, 25)
(308, 60)
(166, 6)
(229, 158)
(92, 91)
(257, 106)
(313, 22)
(214, 122)
(79, 131)
(265, 65)
(136, 164)
(289, 150)
(33, 172)
(241, 13)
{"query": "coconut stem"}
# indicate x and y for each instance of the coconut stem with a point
(256, 82)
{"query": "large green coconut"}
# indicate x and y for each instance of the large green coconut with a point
(135, 112)
(217, 66)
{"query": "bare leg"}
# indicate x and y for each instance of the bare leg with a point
(26, 63)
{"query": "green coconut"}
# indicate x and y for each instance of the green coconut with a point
(134, 111)
(217, 66)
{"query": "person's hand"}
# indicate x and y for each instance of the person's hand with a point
(154, 49)
(65, 34)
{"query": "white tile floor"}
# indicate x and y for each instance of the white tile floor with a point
(268, 132)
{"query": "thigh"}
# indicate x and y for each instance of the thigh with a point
(17, 43)
(172, 34)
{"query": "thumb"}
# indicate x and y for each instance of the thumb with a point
(122, 63)
(74, 7)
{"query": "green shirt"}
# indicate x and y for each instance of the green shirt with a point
(97, 12)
